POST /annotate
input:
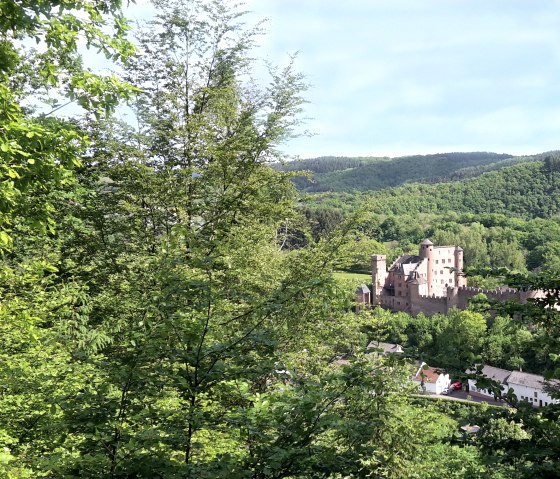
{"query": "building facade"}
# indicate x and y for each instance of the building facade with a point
(413, 277)
(526, 387)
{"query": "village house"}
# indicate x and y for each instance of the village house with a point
(530, 387)
(431, 380)
(526, 387)
(495, 374)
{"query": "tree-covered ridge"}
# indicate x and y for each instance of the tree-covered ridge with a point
(504, 218)
(474, 171)
(522, 190)
(526, 190)
(328, 164)
(370, 173)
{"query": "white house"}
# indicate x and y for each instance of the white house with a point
(431, 380)
(530, 387)
(497, 374)
(526, 387)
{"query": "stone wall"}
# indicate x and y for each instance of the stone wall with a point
(395, 303)
(460, 297)
(428, 305)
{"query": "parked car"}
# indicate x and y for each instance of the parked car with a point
(456, 386)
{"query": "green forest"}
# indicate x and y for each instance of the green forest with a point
(367, 174)
(172, 306)
(505, 218)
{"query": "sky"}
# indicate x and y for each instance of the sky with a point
(397, 77)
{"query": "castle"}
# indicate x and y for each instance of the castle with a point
(431, 282)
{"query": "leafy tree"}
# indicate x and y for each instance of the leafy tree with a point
(506, 344)
(551, 163)
(530, 435)
(323, 221)
(383, 325)
(461, 341)
(506, 255)
(38, 150)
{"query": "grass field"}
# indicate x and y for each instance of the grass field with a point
(355, 278)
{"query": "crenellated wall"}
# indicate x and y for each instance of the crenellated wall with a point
(460, 297)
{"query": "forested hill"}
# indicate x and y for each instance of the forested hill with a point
(527, 189)
(375, 173)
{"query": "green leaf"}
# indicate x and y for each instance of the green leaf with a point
(4, 238)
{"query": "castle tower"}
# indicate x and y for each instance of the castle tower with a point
(378, 277)
(452, 297)
(427, 252)
(460, 279)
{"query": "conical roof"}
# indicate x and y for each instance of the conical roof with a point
(427, 242)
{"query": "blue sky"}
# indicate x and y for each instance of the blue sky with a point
(394, 77)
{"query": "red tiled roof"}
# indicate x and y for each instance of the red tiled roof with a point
(430, 375)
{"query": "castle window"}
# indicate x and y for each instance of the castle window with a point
(441, 272)
(442, 281)
(450, 280)
(535, 393)
(436, 261)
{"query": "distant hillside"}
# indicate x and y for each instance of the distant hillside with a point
(328, 164)
(375, 173)
(523, 189)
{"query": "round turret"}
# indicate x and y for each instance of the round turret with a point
(426, 247)
(378, 276)
(460, 279)
(426, 251)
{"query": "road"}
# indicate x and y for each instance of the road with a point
(473, 397)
